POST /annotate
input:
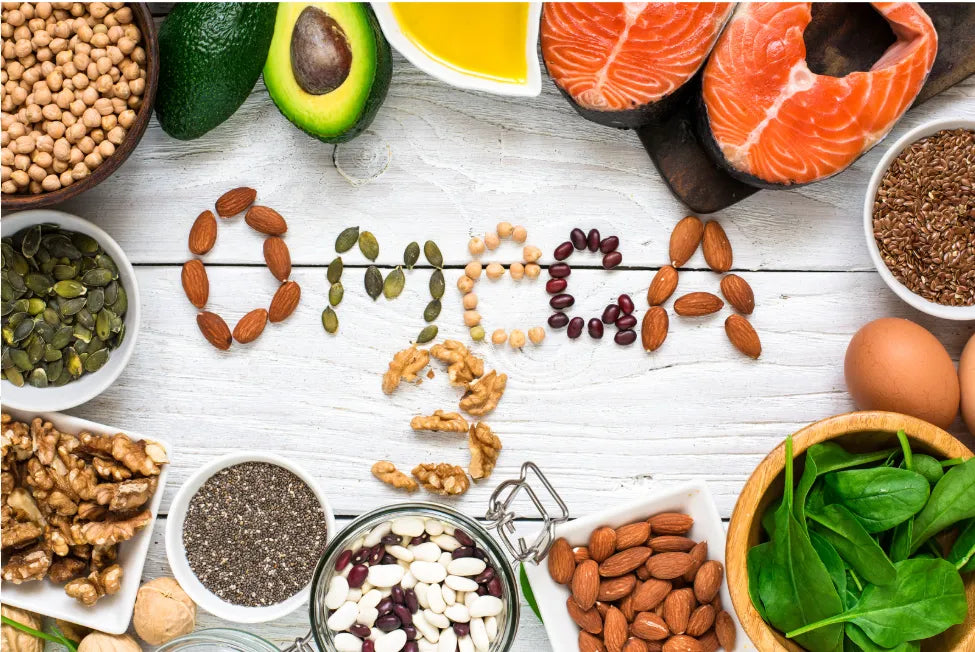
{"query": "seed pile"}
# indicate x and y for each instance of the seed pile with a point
(62, 303)
(253, 534)
(924, 217)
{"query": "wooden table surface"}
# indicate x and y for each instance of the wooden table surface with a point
(606, 423)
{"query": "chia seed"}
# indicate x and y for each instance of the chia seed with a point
(253, 534)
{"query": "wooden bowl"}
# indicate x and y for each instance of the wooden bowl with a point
(857, 431)
(143, 19)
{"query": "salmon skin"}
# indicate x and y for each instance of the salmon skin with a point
(623, 64)
(771, 122)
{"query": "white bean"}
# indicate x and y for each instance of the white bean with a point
(428, 572)
(458, 613)
(433, 527)
(491, 625)
(367, 615)
(425, 627)
(448, 641)
(435, 598)
(343, 617)
(469, 599)
(385, 575)
(377, 533)
(391, 642)
(486, 605)
(466, 566)
(436, 619)
(449, 595)
(426, 646)
(338, 591)
(446, 542)
(346, 642)
(421, 593)
(465, 644)
(408, 526)
(371, 599)
(408, 581)
(458, 583)
(354, 595)
(479, 635)
(428, 551)
(445, 559)
(401, 553)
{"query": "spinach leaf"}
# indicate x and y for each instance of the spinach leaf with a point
(906, 450)
(768, 518)
(831, 559)
(952, 500)
(853, 589)
(954, 461)
(880, 497)
(900, 541)
(962, 553)
(794, 585)
(929, 467)
(927, 598)
(862, 642)
(753, 562)
(854, 544)
(824, 458)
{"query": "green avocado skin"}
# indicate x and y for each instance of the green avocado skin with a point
(210, 56)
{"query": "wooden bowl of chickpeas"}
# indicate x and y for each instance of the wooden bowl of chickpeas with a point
(79, 84)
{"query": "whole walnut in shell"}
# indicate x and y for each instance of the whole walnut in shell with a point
(15, 640)
(101, 642)
(163, 611)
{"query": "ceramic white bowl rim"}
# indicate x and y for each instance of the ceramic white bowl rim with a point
(916, 301)
(176, 553)
(90, 385)
(531, 88)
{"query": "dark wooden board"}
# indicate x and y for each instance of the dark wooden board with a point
(841, 38)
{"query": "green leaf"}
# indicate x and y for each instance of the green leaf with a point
(854, 544)
(526, 589)
(952, 500)
(824, 458)
(863, 642)
(929, 467)
(900, 542)
(753, 563)
(831, 559)
(962, 553)
(906, 450)
(880, 497)
(927, 598)
(768, 518)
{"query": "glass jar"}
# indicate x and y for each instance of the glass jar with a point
(218, 640)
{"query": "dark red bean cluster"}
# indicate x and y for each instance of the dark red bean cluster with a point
(618, 314)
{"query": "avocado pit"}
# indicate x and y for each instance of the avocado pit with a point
(321, 58)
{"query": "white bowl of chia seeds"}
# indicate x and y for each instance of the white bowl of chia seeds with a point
(244, 535)
(919, 218)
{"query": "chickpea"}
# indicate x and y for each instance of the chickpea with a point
(8, 187)
(66, 178)
(51, 112)
(62, 149)
(80, 171)
(20, 178)
(21, 162)
(5, 172)
(126, 45)
(504, 229)
(106, 148)
(75, 156)
(34, 113)
(531, 254)
(6, 157)
(516, 339)
(64, 98)
(517, 271)
(103, 85)
(137, 86)
(50, 183)
(519, 234)
(477, 333)
(126, 118)
(91, 118)
(473, 269)
(75, 132)
(108, 122)
(492, 241)
(475, 246)
(44, 143)
(532, 270)
(465, 284)
(469, 301)
(471, 318)
(116, 135)
(97, 135)
(59, 166)
(495, 271)
(86, 145)
(499, 336)
(36, 173)
(25, 144)
(124, 15)
(536, 334)
(93, 160)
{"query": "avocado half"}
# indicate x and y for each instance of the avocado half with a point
(328, 67)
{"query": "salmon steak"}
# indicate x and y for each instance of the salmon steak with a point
(772, 122)
(621, 64)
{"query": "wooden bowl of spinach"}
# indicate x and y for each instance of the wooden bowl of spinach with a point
(858, 533)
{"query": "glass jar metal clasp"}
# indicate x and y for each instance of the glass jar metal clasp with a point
(501, 518)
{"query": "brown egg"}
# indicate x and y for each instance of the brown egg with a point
(966, 376)
(895, 365)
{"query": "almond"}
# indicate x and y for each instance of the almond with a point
(615, 630)
(670, 543)
(671, 523)
(682, 643)
(203, 233)
(743, 336)
(738, 293)
(602, 608)
(626, 606)
(669, 565)
(585, 584)
(277, 257)
(634, 534)
(589, 643)
(697, 304)
(215, 329)
(708, 580)
(717, 249)
(284, 302)
(677, 609)
(561, 561)
(250, 326)
(724, 628)
(700, 621)
(684, 240)
(602, 543)
(234, 201)
(616, 588)
(635, 645)
(196, 285)
(653, 332)
(624, 562)
(265, 220)
(587, 619)
(642, 573)
(651, 593)
(662, 286)
(649, 626)
(581, 554)
(709, 642)
(699, 555)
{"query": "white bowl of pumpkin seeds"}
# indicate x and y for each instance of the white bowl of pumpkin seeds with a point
(70, 310)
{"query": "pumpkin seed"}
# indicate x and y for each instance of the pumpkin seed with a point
(14, 376)
(31, 242)
(72, 362)
(427, 334)
(85, 243)
(35, 306)
(58, 245)
(335, 294)
(437, 284)
(54, 370)
(96, 300)
(38, 378)
(51, 354)
(69, 289)
(121, 303)
(35, 350)
(104, 261)
(374, 282)
(40, 283)
(330, 321)
(20, 359)
(411, 255)
(111, 292)
(85, 318)
(368, 245)
(65, 272)
(18, 264)
(335, 268)
(98, 277)
(96, 360)
(346, 239)
(103, 324)
(432, 253)
(23, 330)
(62, 337)
(50, 316)
(17, 283)
(73, 306)
(432, 311)
(394, 283)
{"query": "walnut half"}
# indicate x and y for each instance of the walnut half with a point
(485, 448)
(440, 421)
(483, 396)
(443, 479)
(405, 365)
(463, 366)
(386, 472)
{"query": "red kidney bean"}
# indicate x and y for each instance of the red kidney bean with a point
(388, 622)
(592, 240)
(463, 538)
(626, 322)
(555, 285)
(402, 613)
(343, 560)
(376, 554)
(412, 602)
(578, 238)
(611, 313)
(389, 559)
(360, 630)
(368, 646)
(410, 631)
(612, 259)
(392, 540)
(462, 629)
(361, 555)
(485, 575)
(385, 605)
(357, 575)
(463, 551)
(411, 646)
(397, 594)
(595, 328)
(575, 327)
(423, 538)
(559, 270)
(558, 320)
(561, 301)
(609, 244)
(480, 554)
(625, 303)
(563, 251)
(625, 337)
(494, 587)
(482, 590)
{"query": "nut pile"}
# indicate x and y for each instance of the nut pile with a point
(644, 587)
(529, 267)
(414, 584)
(690, 233)
(196, 284)
(63, 306)
(69, 501)
(482, 392)
(73, 81)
